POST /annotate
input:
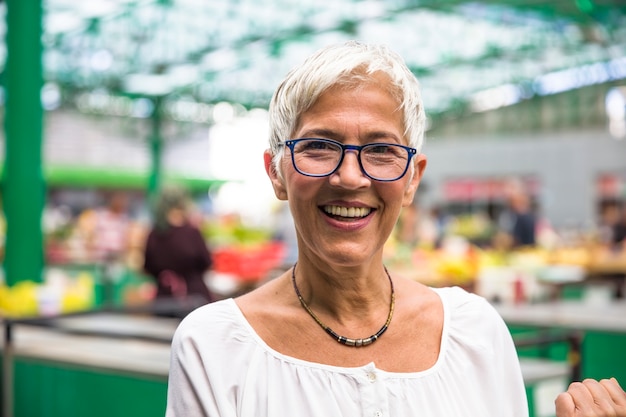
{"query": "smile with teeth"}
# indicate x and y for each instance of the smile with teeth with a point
(354, 212)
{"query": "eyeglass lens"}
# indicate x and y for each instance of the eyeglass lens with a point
(379, 161)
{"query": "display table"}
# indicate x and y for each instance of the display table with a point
(136, 345)
(570, 314)
(605, 261)
(600, 266)
(96, 363)
(602, 326)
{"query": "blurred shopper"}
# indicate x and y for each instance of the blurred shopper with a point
(176, 254)
(518, 220)
(619, 231)
(109, 239)
(612, 226)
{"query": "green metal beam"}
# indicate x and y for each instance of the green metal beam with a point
(23, 186)
(156, 151)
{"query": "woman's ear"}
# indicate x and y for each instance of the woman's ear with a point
(277, 181)
(419, 163)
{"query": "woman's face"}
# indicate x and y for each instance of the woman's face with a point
(370, 208)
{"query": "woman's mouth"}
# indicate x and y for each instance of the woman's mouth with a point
(347, 212)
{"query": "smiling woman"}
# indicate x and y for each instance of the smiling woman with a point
(337, 334)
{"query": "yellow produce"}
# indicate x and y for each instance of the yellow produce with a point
(19, 300)
(79, 295)
(28, 299)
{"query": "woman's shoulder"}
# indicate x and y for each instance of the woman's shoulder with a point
(219, 319)
(473, 324)
(457, 297)
(468, 312)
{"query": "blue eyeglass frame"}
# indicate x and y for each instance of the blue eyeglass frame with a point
(292, 143)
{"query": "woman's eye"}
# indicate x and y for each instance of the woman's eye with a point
(380, 149)
(317, 145)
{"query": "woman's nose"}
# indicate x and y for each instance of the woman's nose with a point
(349, 174)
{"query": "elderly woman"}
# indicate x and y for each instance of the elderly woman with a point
(338, 334)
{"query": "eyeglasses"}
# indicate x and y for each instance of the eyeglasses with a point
(315, 157)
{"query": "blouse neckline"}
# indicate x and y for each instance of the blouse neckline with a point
(371, 366)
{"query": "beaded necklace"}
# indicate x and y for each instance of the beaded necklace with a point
(342, 339)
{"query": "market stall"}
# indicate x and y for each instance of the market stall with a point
(96, 364)
(602, 324)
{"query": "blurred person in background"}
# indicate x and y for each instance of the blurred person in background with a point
(612, 238)
(518, 220)
(176, 253)
(612, 227)
(619, 231)
(109, 238)
(346, 132)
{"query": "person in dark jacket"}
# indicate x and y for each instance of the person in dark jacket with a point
(176, 254)
(519, 220)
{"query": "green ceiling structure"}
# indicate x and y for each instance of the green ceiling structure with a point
(178, 59)
(210, 51)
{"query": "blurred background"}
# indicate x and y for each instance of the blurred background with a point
(107, 103)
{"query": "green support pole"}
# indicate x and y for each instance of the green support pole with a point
(156, 150)
(23, 185)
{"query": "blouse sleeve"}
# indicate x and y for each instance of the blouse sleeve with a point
(189, 391)
(202, 380)
(481, 338)
(183, 383)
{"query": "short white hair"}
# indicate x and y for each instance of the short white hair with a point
(350, 63)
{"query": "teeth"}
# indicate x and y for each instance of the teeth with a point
(347, 211)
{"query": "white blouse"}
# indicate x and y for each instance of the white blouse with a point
(221, 367)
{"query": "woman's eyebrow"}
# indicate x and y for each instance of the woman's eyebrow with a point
(320, 133)
(382, 135)
(331, 134)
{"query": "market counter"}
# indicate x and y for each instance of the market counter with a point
(101, 364)
(116, 365)
(135, 345)
(570, 314)
(602, 326)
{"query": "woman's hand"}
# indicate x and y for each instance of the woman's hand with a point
(592, 398)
